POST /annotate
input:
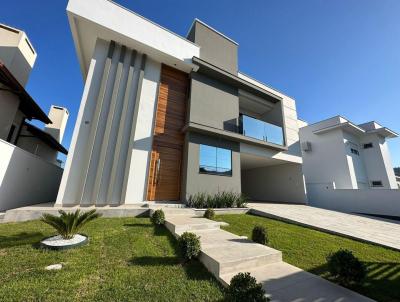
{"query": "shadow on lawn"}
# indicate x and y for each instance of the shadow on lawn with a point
(194, 269)
(138, 225)
(19, 239)
(382, 282)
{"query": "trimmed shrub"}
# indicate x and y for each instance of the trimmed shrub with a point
(189, 245)
(158, 217)
(346, 268)
(209, 213)
(259, 235)
(224, 199)
(244, 287)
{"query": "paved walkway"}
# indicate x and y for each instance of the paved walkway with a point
(226, 254)
(362, 228)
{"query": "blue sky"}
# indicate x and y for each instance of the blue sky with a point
(334, 57)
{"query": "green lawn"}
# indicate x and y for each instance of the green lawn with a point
(127, 259)
(307, 249)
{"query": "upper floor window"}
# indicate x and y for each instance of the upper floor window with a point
(354, 151)
(368, 146)
(214, 160)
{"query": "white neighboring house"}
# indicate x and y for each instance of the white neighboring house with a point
(29, 170)
(347, 167)
(397, 173)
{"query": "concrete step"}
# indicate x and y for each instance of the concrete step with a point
(182, 223)
(224, 252)
(157, 204)
(285, 282)
(240, 255)
(173, 211)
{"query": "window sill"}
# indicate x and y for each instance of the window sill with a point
(215, 173)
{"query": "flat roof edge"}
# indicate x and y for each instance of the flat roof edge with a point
(211, 28)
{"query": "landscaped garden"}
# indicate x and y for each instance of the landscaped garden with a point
(127, 259)
(308, 249)
(133, 259)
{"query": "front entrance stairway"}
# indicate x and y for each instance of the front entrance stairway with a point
(225, 254)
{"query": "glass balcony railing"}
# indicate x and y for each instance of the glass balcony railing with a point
(261, 130)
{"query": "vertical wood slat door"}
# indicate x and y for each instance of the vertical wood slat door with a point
(164, 181)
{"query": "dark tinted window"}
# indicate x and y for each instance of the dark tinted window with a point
(215, 160)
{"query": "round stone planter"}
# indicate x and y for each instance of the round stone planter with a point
(58, 243)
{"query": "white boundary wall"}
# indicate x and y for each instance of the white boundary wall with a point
(368, 201)
(25, 178)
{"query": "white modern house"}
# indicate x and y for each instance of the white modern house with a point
(164, 116)
(29, 170)
(348, 167)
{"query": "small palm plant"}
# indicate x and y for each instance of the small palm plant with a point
(69, 224)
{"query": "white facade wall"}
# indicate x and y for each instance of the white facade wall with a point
(112, 140)
(59, 117)
(25, 179)
(376, 202)
(9, 103)
(17, 53)
(355, 162)
(327, 161)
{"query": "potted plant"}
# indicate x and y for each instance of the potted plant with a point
(67, 226)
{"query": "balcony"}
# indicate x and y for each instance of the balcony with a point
(260, 130)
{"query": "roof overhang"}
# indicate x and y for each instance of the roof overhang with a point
(27, 105)
(102, 19)
(385, 132)
(347, 126)
(217, 73)
(46, 138)
(356, 130)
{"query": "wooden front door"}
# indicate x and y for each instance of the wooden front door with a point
(164, 181)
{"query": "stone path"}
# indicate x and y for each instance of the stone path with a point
(361, 228)
(225, 254)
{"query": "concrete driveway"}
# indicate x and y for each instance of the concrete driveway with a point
(381, 232)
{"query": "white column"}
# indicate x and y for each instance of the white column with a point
(136, 183)
(68, 191)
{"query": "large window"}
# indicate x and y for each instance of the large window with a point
(215, 160)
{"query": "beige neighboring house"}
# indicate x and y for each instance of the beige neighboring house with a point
(29, 170)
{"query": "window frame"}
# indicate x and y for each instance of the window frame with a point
(354, 151)
(216, 162)
(368, 146)
(377, 185)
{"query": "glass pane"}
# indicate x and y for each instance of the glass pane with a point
(224, 161)
(253, 127)
(208, 158)
(273, 134)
